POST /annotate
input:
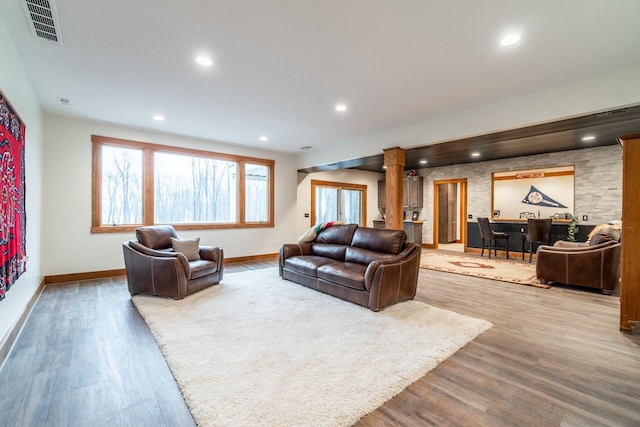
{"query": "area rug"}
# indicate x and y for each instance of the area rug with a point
(503, 271)
(257, 350)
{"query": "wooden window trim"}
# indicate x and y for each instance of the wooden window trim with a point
(148, 185)
(341, 186)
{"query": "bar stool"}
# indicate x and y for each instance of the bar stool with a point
(538, 231)
(486, 233)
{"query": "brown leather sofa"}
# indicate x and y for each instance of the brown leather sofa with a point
(592, 264)
(371, 267)
(154, 268)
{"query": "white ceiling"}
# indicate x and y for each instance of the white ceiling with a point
(280, 66)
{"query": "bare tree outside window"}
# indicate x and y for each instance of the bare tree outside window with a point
(193, 189)
(256, 193)
(337, 201)
(140, 183)
(122, 185)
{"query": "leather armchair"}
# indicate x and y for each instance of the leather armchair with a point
(154, 268)
(582, 264)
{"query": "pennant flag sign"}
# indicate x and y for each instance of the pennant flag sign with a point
(538, 198)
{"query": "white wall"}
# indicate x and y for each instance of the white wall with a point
(69, 245)
(349, 176)
(598, 93)
(17, 88)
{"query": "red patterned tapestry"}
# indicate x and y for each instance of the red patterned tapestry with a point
(12, 209)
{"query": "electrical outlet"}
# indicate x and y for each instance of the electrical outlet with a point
(470, 216)
(522, 229)
(585, 217)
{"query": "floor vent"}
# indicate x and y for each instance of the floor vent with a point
(43, 19)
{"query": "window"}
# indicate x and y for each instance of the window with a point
(137, 183)
(122, 185)
(336, 201)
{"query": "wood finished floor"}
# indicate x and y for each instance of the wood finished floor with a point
(554, 357)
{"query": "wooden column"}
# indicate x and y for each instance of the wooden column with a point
(630, 273)
(394, 160)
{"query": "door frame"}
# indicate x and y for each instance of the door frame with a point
(462, 221)
(338, 186)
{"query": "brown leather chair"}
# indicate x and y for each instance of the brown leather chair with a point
(486, 233)
(581, 264)
(154, 268)
(538, 231)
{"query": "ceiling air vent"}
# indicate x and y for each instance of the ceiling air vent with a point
(43, 19)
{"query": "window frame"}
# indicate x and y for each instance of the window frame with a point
(148, 183)
(339, 186)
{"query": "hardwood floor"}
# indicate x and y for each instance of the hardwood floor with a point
(554, 357)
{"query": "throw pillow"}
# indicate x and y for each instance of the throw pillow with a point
(190, 248)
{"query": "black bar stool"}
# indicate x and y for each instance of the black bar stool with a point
(486, 233)
(538, 231)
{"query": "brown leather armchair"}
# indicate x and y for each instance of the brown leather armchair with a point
(154, 268)
(583, 264)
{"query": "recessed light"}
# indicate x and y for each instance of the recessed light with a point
(423, 162)
(588, 138)
(158, 118)
(341, 107)
(264, 138)
(476, 154)
(510, 39)
(204, 60)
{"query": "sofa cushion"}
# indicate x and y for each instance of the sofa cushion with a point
(156, 236)
(190, 247)
(337, 234)
(364, 256)
(306, 264)
(328, 250)
(344, 273)
(201, 268)
(374, 239)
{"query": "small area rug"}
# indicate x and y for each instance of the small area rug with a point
(257, 350)
(501, 270)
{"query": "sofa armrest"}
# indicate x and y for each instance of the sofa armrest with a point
(566, 244)
(165, 273)
(289, 250)
(394, 279)
(212, 253)
(152, 252)
(576, 248)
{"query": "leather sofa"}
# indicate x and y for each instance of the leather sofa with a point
(153, 267)
(592, 264)
(371, 267)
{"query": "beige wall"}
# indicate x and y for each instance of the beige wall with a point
(68, 242)
(17, 88)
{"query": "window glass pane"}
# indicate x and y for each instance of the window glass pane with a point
(351, 206)
(256, 193)
(121, 185)
(194, 189)
(327, 207)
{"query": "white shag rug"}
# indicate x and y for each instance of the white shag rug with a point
(257, 350)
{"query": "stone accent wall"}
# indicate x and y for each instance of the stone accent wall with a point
(598, 183)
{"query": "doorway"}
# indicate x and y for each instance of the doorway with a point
(450, 213)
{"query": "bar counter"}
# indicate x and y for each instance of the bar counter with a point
(517, 227)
